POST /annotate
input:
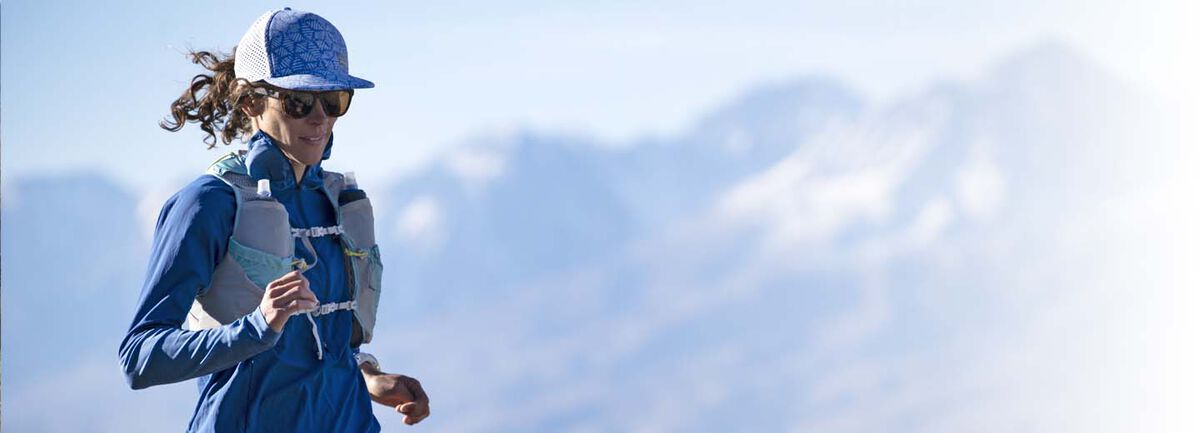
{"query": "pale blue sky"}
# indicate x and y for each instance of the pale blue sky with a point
(84, 82)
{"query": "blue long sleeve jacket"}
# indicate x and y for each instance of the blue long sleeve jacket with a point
(250, 377)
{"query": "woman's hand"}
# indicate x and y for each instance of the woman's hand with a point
(399, 391)
(286, 296)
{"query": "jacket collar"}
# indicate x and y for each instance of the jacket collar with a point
(266, 161)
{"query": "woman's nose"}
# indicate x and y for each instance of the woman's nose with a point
(318, 113)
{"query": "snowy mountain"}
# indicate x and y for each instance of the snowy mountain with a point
(798, 259)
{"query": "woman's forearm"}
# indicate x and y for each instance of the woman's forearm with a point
(160, 354)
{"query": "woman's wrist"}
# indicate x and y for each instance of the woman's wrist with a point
(367, 363)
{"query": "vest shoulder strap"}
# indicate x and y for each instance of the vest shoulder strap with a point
(232, 161)
(231, 169)
(334, 184)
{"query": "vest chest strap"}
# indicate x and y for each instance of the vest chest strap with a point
(316, 232)
(324, 309)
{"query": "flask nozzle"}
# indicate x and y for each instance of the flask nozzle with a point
(264, 188)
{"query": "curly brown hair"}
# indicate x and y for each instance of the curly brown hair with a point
(212, 100)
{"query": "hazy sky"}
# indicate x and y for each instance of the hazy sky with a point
(84, 83)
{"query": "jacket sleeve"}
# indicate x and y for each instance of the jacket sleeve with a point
(190, 239)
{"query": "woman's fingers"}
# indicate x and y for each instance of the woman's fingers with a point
(283, 291)
(286, 296)
(289, 277)
(419, 409)
(413, 412)
(300, 306)
(286, 282)
(293, 294)
(290, 294)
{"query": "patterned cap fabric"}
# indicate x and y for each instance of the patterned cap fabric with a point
(295, 50)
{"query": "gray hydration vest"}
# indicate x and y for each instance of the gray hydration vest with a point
(262, 249)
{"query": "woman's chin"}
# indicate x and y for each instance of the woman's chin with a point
(304, 158)
(310, 161)
(307, 155)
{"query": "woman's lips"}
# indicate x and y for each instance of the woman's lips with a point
(314, 140)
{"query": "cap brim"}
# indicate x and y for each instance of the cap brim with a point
(317, 83)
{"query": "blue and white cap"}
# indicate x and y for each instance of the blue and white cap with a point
(295, 50)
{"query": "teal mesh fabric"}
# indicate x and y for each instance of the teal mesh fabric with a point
(261, 268)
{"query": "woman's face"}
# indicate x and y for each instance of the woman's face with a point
(302, 140)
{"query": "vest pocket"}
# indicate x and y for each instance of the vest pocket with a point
(375, 269)
(261, 268)
(237, 286)
(358, 218)
(368, 275)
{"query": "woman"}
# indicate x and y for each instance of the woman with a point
(268, 257)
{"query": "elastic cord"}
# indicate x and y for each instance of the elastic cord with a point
(308, 245)
(316, 336)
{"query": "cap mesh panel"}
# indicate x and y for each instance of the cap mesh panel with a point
(251, 60)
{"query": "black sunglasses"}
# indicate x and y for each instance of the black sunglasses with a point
(298, 105)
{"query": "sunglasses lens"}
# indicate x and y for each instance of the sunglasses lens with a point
(297, 104)
(336, 103)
